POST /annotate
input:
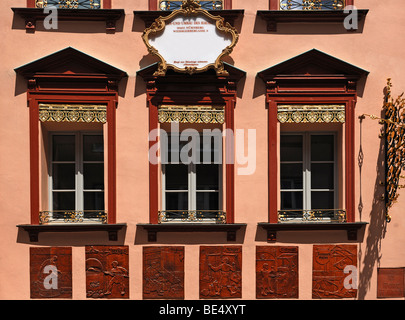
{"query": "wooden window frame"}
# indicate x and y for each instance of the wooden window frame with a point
(78, 162)
(192, 180)
(306, 166)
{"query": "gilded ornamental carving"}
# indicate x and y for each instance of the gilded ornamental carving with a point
(311, 113)
(72, 113)
(191, 114)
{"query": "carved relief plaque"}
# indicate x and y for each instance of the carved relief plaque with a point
(276, 272)
(163, 272)
(220, 272)
(51, 272)
(107, 272)
(391, 283)
(328, 277)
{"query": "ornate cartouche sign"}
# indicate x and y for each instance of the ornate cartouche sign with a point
(190, 40)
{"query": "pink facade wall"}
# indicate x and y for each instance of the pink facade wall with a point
(377, 48)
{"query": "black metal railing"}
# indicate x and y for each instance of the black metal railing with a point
(176, 5)
(316, 215)
(213, 216)
(92, 216)
(312, 4)
(69, 4)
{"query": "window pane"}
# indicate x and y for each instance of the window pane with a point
(93, 176)
(322, 200)
(322, 176)
(63, 148)
(291, 148)
(93, 148)
(63, 176)
(93, 200)
(207, 177)
(207, 201)
(322, 148)
(291, 176)
(64, 201)
(176, 200)
(292, 200)
(210, 150)
(176, 176)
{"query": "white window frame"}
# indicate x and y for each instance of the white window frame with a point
(192, 179)
(306, 162)
(79, 165)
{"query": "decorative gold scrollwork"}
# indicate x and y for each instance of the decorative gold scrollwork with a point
(72, 113)
(191, 114)
(191, 8)
(311, 113)
(394, 135)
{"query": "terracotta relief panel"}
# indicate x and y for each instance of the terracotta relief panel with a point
(107, 272)
(163, 272)
(276, 272)
(51, 272)
(391, 283)
(220, 272)
(328, 278)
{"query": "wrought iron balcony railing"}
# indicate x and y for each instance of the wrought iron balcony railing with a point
(69, 4)
(175, 5)
(318, 215)
(208, 216)
(88, 216)
(312, 4)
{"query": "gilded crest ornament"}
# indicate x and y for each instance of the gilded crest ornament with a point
(190, 40)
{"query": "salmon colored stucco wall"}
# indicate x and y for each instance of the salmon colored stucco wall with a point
(377, 48)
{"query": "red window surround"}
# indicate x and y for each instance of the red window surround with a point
(311, 78)
(86, 81)
(153, 5)
(199, 89)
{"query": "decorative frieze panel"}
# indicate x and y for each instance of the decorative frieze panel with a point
(191, 114)
(390, 282)
(220, 272)
(72, 113)
(311, 113)
(107, 272)
(276, 272)
(163, 272)
(51, 272)
(328, 277)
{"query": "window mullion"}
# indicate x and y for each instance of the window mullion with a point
(79, 172)
(192, 187)
(307, 171)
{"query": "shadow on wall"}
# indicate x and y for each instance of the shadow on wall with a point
(377, 225)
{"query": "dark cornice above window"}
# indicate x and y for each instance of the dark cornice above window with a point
(274, 17)
(32, 15)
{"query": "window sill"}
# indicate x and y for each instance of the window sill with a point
(32, 15)
(352, 228)
(230, 229)
(35, 230)
(273, 17)
(149, 16)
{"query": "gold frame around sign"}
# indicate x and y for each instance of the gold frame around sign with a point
(190, 8)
